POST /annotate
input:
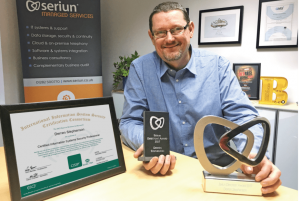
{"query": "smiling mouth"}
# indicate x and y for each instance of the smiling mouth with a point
(171, 46)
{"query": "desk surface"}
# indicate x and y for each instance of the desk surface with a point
(183, 183)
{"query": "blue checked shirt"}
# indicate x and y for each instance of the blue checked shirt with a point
(206, 86)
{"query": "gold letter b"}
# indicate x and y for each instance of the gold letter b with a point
(268, 90)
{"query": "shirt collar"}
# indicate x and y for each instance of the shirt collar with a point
(190, 66)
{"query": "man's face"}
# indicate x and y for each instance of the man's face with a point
(173, 49)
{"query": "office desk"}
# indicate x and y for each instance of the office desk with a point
(183, 183)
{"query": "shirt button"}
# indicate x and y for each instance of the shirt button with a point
(186, 145)
(179, 101)
(177, 80)
(183, 122)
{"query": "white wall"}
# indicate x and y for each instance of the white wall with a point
(11, 54)
(125, 25)
(11, 79)
(2, 94)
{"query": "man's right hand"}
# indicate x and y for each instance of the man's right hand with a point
(160, 164)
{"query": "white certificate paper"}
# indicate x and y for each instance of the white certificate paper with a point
(220, 26)
(278, 23)
(55, 147)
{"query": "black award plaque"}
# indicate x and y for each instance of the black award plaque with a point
(156, 135)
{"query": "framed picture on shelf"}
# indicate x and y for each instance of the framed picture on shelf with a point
(220, 26)
(248, 75)
(277, 25)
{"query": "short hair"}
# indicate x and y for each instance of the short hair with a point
(168, 6)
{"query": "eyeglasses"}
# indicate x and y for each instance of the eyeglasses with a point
(174, 31)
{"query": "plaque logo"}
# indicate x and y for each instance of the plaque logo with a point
(159, 122)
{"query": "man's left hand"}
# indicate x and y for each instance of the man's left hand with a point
(266, 172)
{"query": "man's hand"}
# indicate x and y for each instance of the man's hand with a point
(266, 172)
(162, 164)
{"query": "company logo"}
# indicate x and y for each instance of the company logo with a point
(159, 122)
(32, 6)
(279, 8)
(87, 162)
(219, 23)
(66, 95)
(31, 186)
(74, 165)
(74, 161)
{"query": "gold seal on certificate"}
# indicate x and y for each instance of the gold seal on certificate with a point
(224, 179)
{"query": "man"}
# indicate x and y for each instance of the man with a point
(189, 84)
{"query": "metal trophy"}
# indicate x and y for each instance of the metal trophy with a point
(224, 179)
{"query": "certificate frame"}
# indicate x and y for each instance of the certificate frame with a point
(221, 26)
(10, 152)
(275, 29)
(249, 83)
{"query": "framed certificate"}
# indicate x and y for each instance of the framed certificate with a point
(221, 25)
(55, 147)
(248, 76)
(277, 25)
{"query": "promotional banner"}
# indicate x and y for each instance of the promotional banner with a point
(69, 144)
(60, 49)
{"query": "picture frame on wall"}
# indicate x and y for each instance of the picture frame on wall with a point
(248, 75)
(221, 26)
(277, 25)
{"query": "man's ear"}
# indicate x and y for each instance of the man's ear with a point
(151, 36)
(192, 29)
